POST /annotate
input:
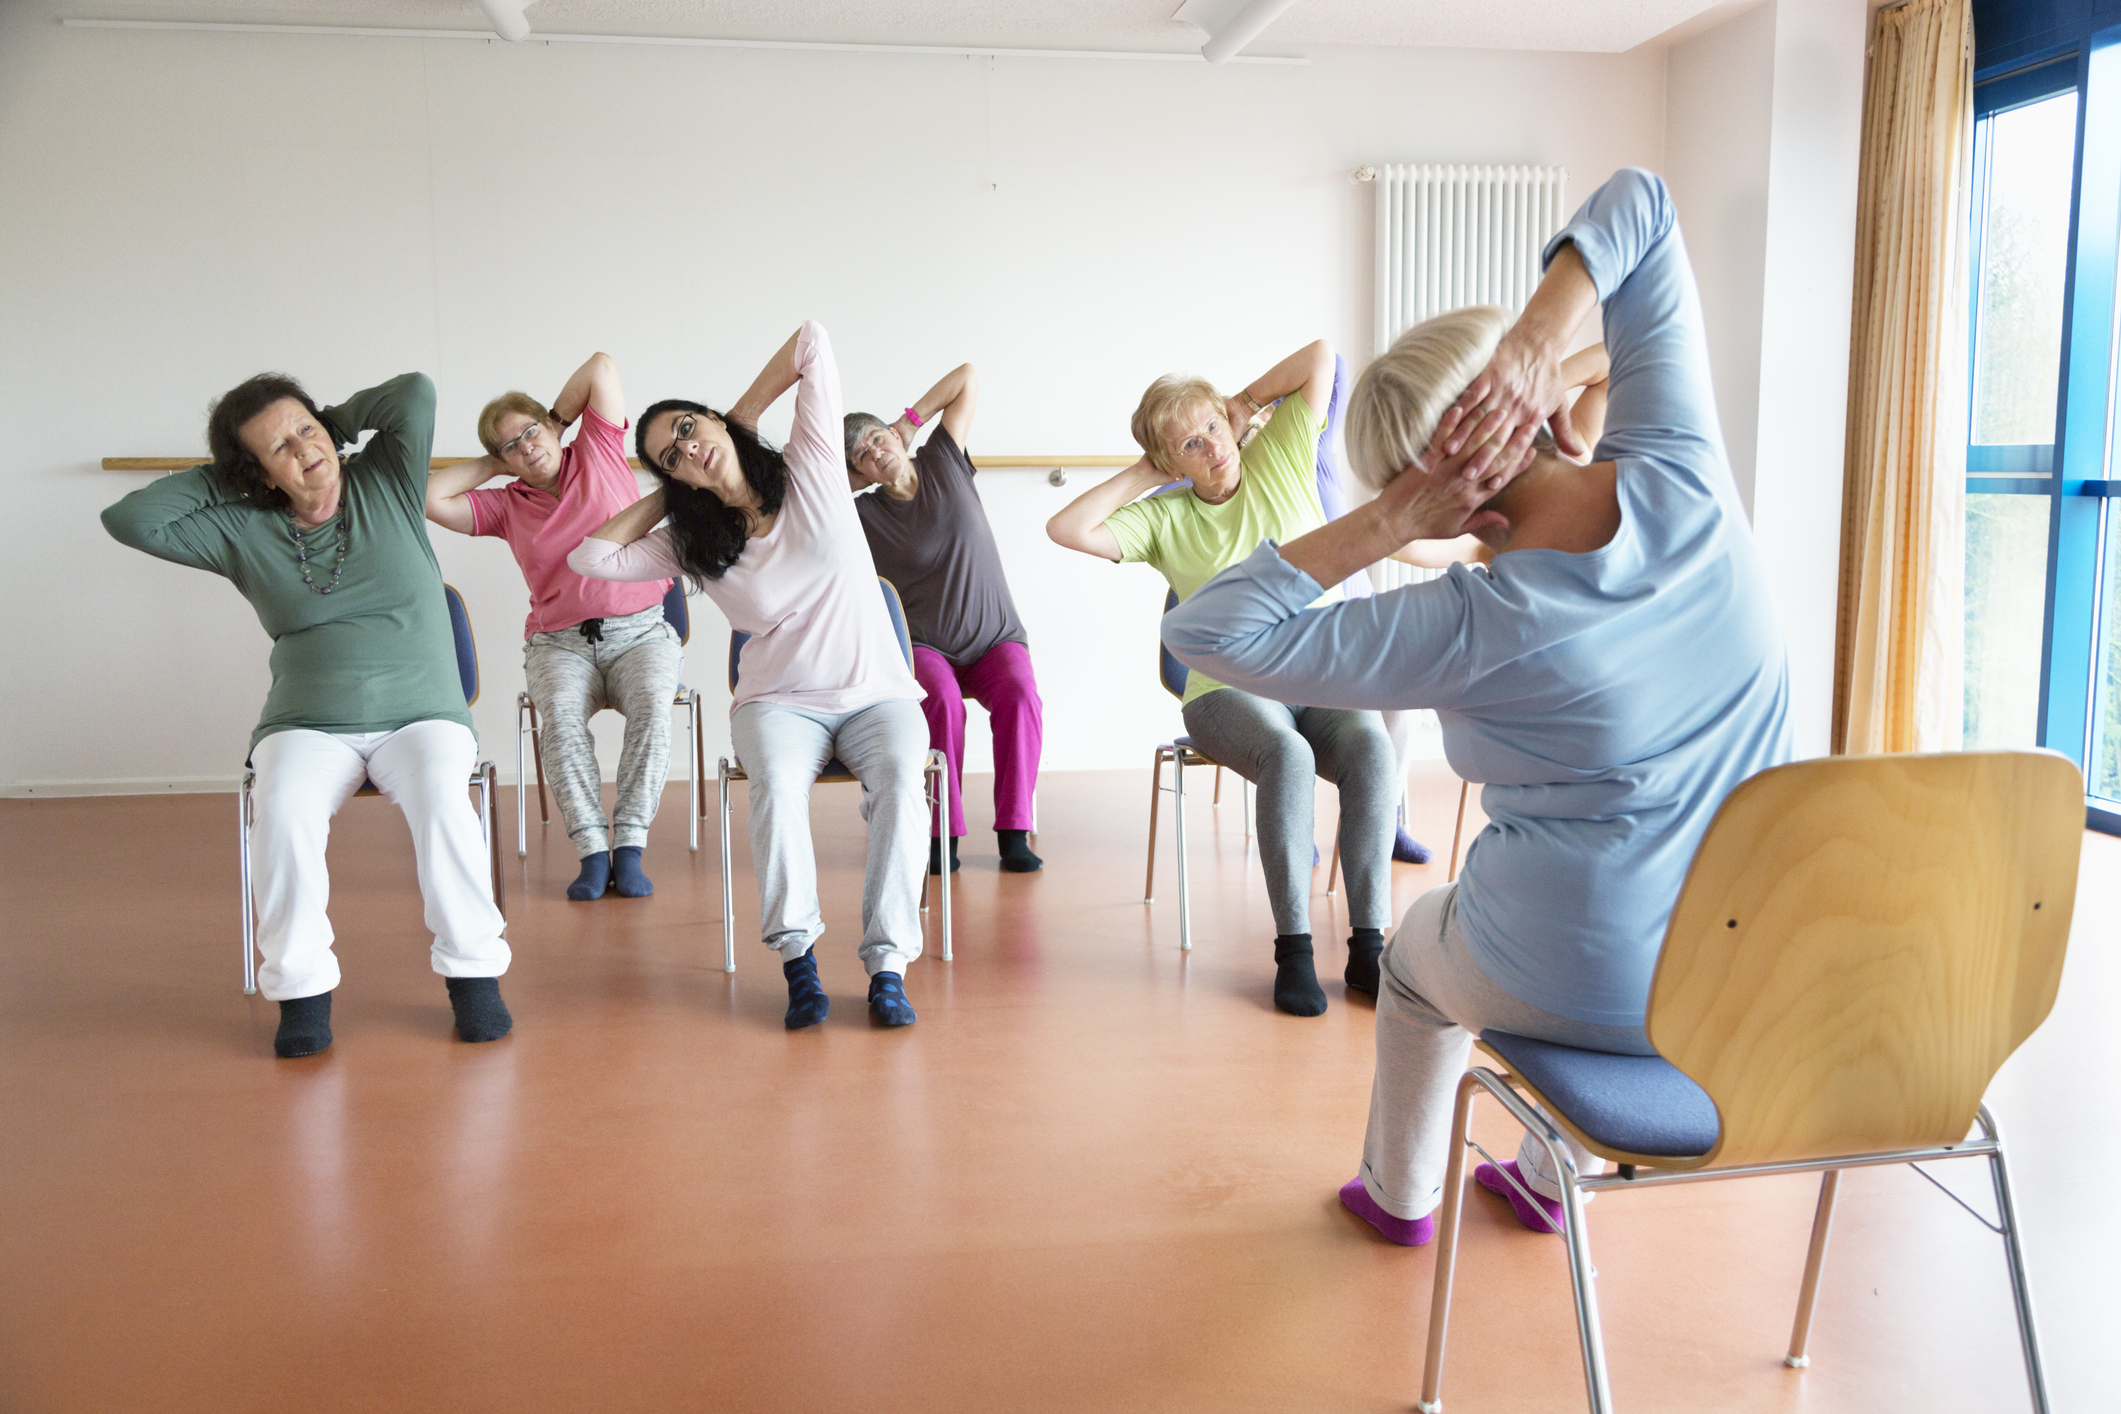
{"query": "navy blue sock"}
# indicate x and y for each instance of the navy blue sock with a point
(1017, 857)
(807, 1002)
(887, 1000)
(1296, 989)
(935, 855)
(626, 875)
(481, 1014)
(594, 878)
(1408, 850)
(305, 1026)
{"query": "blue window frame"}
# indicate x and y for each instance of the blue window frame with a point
(2027, 493)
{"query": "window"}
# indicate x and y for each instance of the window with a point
(2043, 520)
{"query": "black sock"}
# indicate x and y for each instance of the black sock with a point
(887, 1000)
(305, 1026)
(1296, 989)
(594, 878)
(935, 855)
(481, 1014)
(1017, 857)
(1364, 945)
(807, 1002)
(626, 875)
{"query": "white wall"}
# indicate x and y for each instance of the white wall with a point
(1764, 133)
(184, 209)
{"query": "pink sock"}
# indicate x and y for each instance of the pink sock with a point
(1537, 1218)
(1407, 1232)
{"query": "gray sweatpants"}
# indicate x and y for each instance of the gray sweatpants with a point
(633, 669)
(885, 746)
(1279, 749)
(1432, 997)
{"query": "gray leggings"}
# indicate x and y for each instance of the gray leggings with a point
(633, 669)
(1280, 748)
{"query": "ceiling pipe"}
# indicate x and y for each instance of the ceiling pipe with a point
(507, 18)
(1243, 28)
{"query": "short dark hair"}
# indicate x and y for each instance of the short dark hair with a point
(707, 534)
(224, 426)
(854, 427)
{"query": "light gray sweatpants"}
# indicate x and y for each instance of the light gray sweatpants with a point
(1279, 749)
(782, 749)
(633, 669)
(1432, 996)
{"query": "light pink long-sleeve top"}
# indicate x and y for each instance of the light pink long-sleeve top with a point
(806, 590)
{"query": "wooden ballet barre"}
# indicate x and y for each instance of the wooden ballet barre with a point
(437, 463)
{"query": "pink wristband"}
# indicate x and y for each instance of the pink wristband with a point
(913, 417)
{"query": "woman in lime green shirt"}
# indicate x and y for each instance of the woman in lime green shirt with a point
(1239, 495)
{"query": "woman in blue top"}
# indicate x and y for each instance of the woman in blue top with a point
(1610, 676)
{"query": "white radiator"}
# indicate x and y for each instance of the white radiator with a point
(1450, 236)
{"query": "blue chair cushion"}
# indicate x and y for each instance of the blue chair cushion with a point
(1635, 1104)
(834, 767)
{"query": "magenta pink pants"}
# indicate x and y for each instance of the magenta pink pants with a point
(1001, 682)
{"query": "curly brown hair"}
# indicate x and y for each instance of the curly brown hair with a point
(224, 425)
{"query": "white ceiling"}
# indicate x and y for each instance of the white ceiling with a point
(1582, 25)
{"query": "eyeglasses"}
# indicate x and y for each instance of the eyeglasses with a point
(516, 441)
(870, 446)
(680, 431)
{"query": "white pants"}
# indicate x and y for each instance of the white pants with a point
(303, 777)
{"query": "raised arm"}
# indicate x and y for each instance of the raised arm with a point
(777, 377)
(181, 518)
(1080, 525)
(814, 448)
(1587, 369)
(401, 413)
(1309, 371)
(595, 385)
(628, 546)
(449, 492)
(955, 398)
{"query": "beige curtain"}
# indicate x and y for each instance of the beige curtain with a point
(1897, 669)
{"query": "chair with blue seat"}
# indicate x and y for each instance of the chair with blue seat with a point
(834, 773)
(678, 614)
(1859, 945)
(484, 779)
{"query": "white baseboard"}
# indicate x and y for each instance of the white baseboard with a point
(187, 785)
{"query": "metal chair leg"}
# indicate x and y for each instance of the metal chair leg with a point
(537, 764)
(1454, 1192)
(522, 785)
(1333, 870)
(489, 824)
(1217, 802)
(938, 767)
(1822, 1224)
(1458, 831)
(1156, 794)
(1582, 1278)
(728, 893)
(250, 917)
(691, 703)
(2014, 1256)
(1178, 833)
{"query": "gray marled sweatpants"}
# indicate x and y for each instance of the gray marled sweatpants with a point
(634, 670)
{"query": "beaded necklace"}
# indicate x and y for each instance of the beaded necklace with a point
(294, 531)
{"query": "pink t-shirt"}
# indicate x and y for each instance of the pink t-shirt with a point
(806, 590)
(541, 527)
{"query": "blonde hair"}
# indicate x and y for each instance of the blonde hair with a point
(1404, 393)
(1167, 399)
(490, 417)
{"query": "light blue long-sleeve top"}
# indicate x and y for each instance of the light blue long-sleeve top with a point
(1608, 700)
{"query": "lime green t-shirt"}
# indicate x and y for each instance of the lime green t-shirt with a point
(1190, 541)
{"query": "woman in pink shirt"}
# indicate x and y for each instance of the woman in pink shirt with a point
(589, 644)
(773, 538)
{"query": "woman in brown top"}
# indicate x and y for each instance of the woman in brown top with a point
(929, 536)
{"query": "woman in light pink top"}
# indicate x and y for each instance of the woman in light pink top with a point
(772, 537)
(588, 644)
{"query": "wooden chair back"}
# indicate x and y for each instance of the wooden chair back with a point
(1862, 941)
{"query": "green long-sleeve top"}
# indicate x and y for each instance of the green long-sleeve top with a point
(377, 652)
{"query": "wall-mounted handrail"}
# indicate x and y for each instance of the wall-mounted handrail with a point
(437, 463)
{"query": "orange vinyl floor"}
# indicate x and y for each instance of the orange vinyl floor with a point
(1097, 1175)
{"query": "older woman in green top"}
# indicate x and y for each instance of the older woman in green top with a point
(1241, 494)
(333, 556)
